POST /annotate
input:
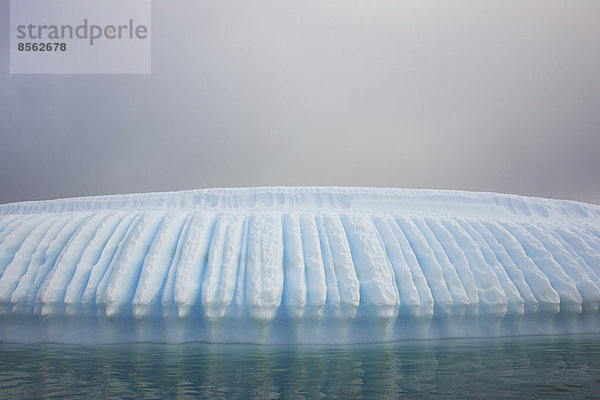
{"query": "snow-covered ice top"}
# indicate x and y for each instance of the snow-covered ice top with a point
(297, 265)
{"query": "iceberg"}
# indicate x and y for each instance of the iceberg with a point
(314, 265)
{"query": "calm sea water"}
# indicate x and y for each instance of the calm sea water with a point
(564, 367)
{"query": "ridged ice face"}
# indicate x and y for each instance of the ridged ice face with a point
(297, 265)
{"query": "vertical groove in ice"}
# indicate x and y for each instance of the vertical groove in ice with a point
(219, 278)
(231, 260)
(460, 299)
(122, 284)
(450, 253)
(590, 239)
(570, 298)
(553, 250)
(547, 297)
(8, 223)
(24, 295)
(314, 268)
(239, 293)
(51, 294)
(91, 255)
(480, 248)
(585, 256)
(19, 263)
(342, 266)
(167, 301)
(156, 263)
(101, 270)
(191, 266)
(333, 291)
(431, 268)
(264, 274)
(465, 252)
(12, 239)
(377, 283)
(17, 223)
(515, 274)
(426, 303)
(406, 289)
(595, 232)
(27, 274)
(294, 267)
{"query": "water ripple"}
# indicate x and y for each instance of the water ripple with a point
(561, 367)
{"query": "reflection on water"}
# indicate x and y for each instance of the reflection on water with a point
(567, 366)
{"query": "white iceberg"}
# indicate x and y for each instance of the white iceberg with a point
(297, 265)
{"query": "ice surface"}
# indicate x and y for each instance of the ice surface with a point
(297, 265)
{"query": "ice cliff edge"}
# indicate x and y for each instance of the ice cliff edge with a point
(297, 265)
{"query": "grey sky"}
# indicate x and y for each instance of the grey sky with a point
(497, 96)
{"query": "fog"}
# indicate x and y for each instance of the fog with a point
(499, 96)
